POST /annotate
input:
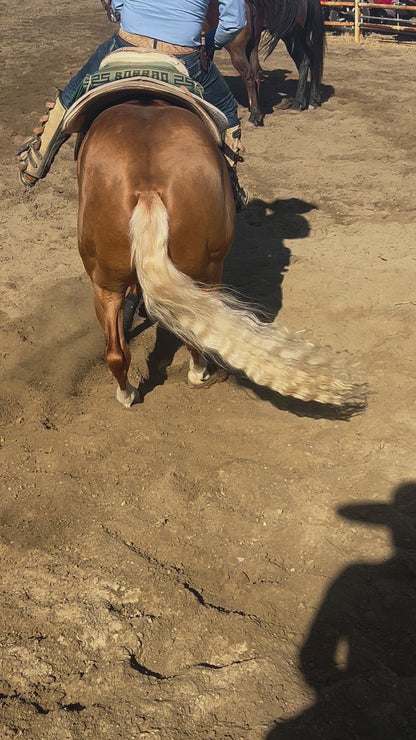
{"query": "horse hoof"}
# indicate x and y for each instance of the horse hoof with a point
(128, 397)
(285, 104)
(217, 376)
(256, 121)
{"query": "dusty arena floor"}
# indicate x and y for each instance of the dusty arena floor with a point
(188, 568)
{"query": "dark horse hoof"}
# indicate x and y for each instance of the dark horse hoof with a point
(256, 119)
(296, 107)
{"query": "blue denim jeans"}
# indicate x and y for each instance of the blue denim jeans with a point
(216, 90)
(67, 95)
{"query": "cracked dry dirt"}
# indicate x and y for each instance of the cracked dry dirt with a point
(183, 570)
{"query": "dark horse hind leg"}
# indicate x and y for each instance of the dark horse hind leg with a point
(315, 96)
(241, 62)
(299, 102)
(298, 51)
(306, 58)
(244, 57)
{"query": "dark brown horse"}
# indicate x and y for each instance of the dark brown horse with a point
(300, 25)
(156, 214)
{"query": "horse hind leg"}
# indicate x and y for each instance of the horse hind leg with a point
(297, 50)
(200, 374)
(315, 96)
(299, 103)
(241, 62)
(109, 307)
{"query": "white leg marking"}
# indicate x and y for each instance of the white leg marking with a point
(198, 374)
(128, 397)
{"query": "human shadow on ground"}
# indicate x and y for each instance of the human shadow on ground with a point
(254, 270)
(277, 89)
(360, 655)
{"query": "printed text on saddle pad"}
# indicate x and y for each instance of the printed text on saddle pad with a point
(161, 72)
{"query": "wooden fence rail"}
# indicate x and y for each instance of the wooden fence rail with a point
(364, 22)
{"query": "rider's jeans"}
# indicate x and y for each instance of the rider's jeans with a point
(67, 95)
(216, 90)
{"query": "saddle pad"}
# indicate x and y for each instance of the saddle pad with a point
(82, 112)
(131, 54)
(138, 64)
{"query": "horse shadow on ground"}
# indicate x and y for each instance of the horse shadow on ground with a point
(258, 260)
(254, 270)
(277, 89)
(360, 655)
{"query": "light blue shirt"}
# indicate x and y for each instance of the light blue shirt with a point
(179, 22)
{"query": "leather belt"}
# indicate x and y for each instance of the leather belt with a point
(146, 42)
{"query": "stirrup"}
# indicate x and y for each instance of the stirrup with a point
(241, 196)
(37, 153)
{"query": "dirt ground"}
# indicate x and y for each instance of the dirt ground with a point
(187, 568)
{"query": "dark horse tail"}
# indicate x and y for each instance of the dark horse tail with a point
(292, 19)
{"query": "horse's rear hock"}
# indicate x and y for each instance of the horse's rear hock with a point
(109, 310)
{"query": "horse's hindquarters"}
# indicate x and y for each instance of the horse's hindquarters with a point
(133, 148)
(161, 164)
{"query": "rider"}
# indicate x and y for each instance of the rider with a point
(168, 26)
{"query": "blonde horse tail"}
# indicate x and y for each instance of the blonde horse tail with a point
(223, 327)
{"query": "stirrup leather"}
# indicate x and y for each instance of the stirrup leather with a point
(231, 149)
(241, 196)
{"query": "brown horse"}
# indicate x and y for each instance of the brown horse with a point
(156, 213)
(299, 24)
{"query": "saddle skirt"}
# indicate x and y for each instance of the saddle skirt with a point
(127, 74)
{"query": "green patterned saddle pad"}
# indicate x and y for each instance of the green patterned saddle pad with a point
(143, 65)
